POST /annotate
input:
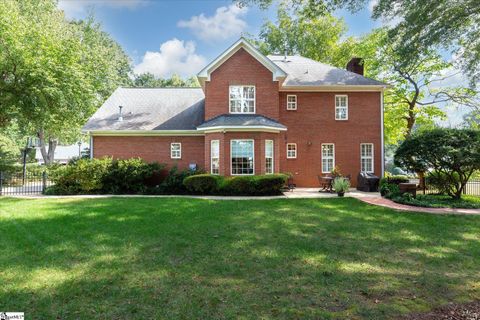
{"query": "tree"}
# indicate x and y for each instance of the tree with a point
(54, 73)
(9, 152)
(452, 154)
(295, 32)
(149, 80)
(427, 24)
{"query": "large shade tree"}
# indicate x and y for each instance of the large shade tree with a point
(430, 24)
(54, 73)
(451, 154)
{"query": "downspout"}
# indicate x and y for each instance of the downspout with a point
(91, 146)
(382, 139)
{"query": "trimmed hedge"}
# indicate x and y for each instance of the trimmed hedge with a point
(236, 186)
(203, 183)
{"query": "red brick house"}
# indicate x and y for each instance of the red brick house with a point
(253, 114)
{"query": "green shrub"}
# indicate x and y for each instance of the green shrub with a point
(131, 176)
(173, 182)
(203, 183)
(254, 185)
(441, 182)
(9, 153)
(389, 185)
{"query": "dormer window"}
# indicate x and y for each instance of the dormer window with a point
(242, 99)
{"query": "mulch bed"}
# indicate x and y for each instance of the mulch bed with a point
(468, 311)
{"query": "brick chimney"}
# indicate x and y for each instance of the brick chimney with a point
(355, 65)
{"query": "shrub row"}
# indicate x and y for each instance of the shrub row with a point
(108, 176)
(239, 186)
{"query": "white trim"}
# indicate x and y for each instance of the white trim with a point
(372, 158)
(171, 150)
(253, 158)
(91, 147)
(146, 133)
(321, 159)
(254, 98)
(296, 150)
(296, 102)
(242, 129)
(337, 107)
(340, 88)
(277, 72)
(273, 156)
(382, 138)
(211, 157)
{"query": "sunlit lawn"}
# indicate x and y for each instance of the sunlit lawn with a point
(158, 258)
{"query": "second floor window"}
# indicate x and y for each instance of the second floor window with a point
(242, 99)
(291, 102)
(341, 107)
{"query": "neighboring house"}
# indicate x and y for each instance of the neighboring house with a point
(63, 154)
(253, 115)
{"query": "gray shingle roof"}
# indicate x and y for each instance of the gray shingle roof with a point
(306, 72)
(150, 109)
(250, 120)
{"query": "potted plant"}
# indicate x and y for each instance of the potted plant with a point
(341, 185)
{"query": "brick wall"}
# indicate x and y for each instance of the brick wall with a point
(151, 149)
(313, 123)
(241, 69)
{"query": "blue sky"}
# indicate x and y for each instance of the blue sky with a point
(166, 37)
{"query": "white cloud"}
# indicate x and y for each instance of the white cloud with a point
(175, 57)
(226, 23)
(78, 8)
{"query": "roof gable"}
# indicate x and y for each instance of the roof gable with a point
(277, 72)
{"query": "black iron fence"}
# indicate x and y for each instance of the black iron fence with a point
(19, 183)
(471, 188)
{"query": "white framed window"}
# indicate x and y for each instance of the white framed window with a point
(291, 150)
(242, 99)
(341, 107)
(328, 157)
(366, 157)
(291, 102)
(215, 157)
(242, 156)
(268, 156)
(176, 150)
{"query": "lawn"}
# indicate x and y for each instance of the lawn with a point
(172, 258)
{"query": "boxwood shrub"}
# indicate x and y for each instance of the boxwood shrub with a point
(236, 186)
(389, 185)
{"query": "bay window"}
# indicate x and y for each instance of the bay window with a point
(242, 157)
(268, 156)
(215, 157)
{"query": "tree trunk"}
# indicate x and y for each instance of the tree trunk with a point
(410, 119)
(47, 155)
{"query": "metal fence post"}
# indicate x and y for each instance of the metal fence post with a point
(44, 181)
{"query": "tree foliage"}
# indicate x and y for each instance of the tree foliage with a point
(54, 73)
(452, 154)
(426, 24)
(149, 80)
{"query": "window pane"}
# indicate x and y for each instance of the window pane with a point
(242, 156)
(242, 99)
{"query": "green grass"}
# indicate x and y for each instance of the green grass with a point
(172, 258)
(441, 201)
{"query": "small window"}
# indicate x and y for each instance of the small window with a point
(268, 156)
(291, 102)
(341, 107)
(215, 157)
(242, 157)
(176, 150)
(328, 157)
(366, 157)
(291, 150)
(242, 99)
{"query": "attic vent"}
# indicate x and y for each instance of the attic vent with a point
(120, 116)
